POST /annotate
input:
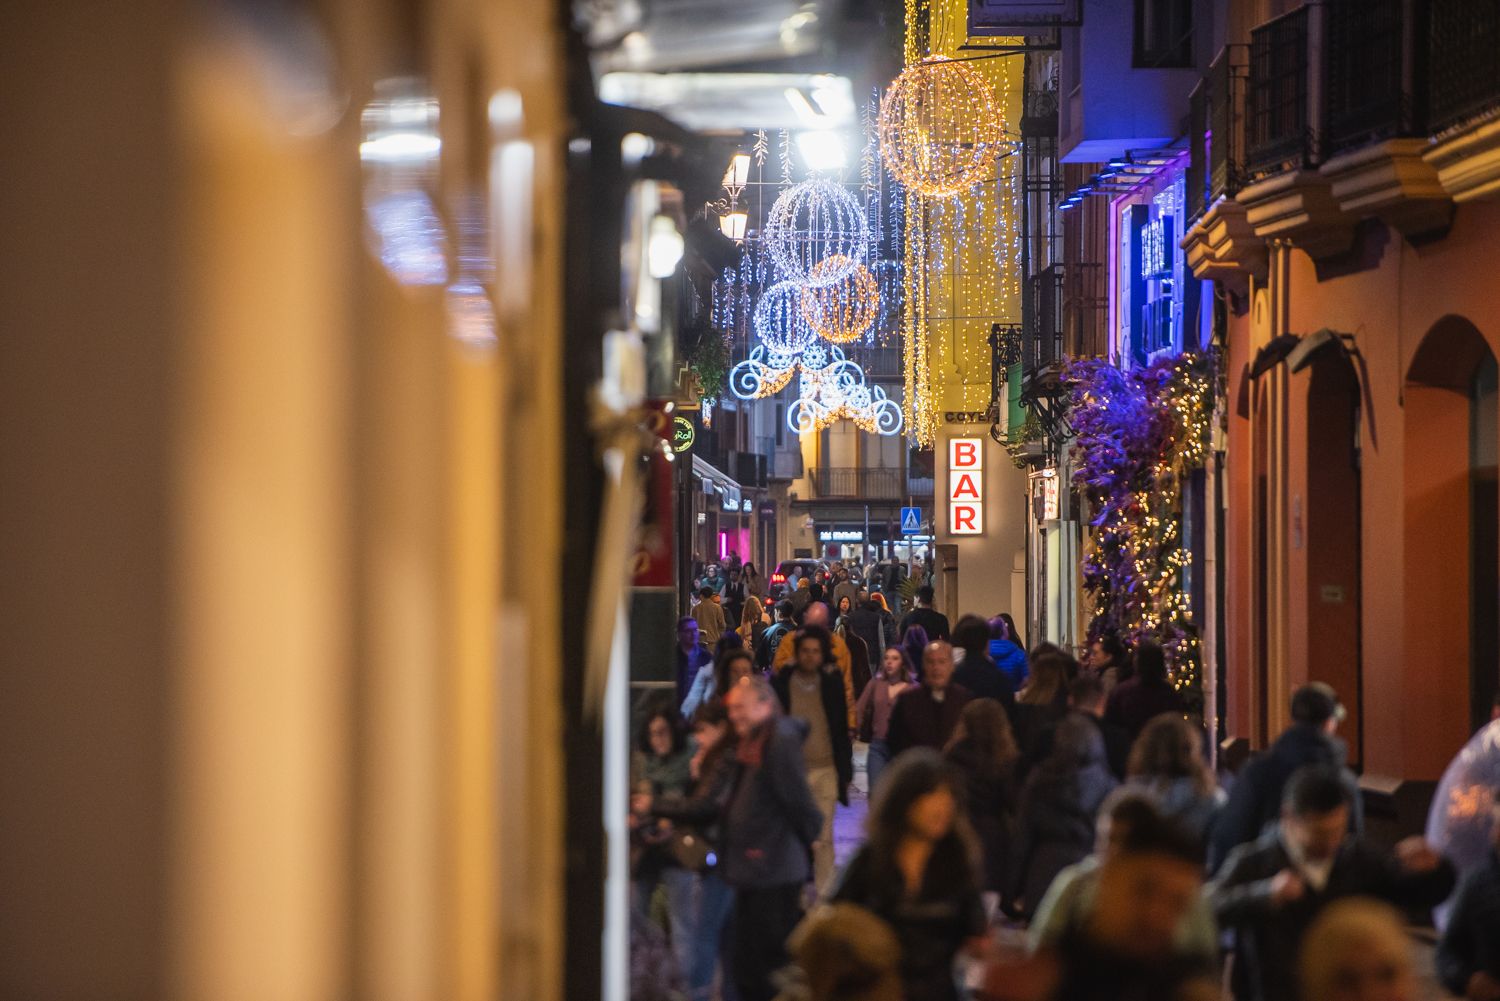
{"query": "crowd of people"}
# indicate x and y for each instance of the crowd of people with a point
(1038, 827)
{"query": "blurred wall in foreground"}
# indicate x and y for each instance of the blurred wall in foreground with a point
(279, 707)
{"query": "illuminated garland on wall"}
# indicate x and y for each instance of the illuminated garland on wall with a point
(1139, 435)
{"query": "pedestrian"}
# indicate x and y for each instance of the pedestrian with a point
(872, 623)
(714, 681)
(841, 613)
(770, 824)
(811, 689)
(1134, 703)
(696, 841)
(1271, 890)
(933, 622)
(1086, 698)
(753, 623)
(1011, 632)
(1255, 798)
(1068, 905)
(734, 595)
(776, 632)
(800, 596)
(1059, 805)
(1109, 661)
(845, 588)
(984, 752)
(1128, 948)
(859, 657)
(692, 655)
(1043, 703)
(1007, 654)
(755, 583)
(873, 712)
(786, 652)
(709, 615)
(975, 671)
(1468, 954)
(1359, 950)
(914, 641)
(927, 715)
(714, 580)
(842, 952)
(918, 870)
(1167, 763)
(661, 766)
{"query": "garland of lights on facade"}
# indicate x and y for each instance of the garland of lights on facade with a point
(1139, 435)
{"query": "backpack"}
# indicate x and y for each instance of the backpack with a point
(769, 641)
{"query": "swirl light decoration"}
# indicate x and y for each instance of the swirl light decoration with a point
(941, 128)
(779, 321)
(762, 374)
(811, 222)
(838, 391)
(843, 310)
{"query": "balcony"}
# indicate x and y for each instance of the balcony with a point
(1463, 37)
(866, 483)
(1279, 133)
(1042, 335)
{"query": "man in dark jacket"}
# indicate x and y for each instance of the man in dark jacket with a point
(691, 655)
(1272, 889)
(811, 688)
(875, 626)
(933, 622)
(1255, 799)
(1468, 955)
(1134, 703)
(926, 716)
(770, 823)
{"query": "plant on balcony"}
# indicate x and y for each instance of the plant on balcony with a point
(1139, 435)
(708, 359)
(1017, 438)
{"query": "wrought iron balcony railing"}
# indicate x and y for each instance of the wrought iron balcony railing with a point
(1278, 130)
(1371, 72)
(1463, 37)
(866, 483)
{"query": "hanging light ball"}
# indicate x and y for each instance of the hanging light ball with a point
(779, 321)
(940, 127)
(841, 311)
(813, 221)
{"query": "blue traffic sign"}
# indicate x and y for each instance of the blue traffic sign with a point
(911, 521)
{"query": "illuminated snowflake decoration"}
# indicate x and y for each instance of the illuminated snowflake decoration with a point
(812, 223)
(763, 374)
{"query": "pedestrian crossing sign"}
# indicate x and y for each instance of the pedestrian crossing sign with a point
(911, 521)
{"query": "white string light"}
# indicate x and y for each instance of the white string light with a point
(810, 223)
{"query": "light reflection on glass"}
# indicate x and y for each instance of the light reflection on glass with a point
(399, 147)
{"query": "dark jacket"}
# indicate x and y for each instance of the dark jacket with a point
(1182, 800)
(837, 711)
(702, 809)
(1058, 808)
(1116, 742)
(1090, 972)
(866, 622)
(919, 720)
(1267, 938)
(1471, 940)
(989, 795)
(860, 662)
(1011, 660)
(984, 680)
(1134, 703)
(933, 622)
(1255, 798)
(770, 818)
(931, 927)
(687, 668)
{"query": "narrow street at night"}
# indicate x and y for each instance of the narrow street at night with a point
(750, 500)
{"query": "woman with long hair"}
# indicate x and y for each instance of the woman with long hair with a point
(755, 584)
(914, 642)
(715, 680)
(846, 605)
(661, 766)
(1044, 700)
(984, 752)
(753, 623)
(872, 713)
(918, 870)
(1007, 652)
(1167, 764)
(975, 671)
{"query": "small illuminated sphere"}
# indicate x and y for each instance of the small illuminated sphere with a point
(844, 310)
(941, 128)
(1461, 820)
(811, 222)
(779, 321)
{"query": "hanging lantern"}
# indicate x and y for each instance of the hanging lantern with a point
(779, 321)
(811, 222)
(941, 128)
(845, 309)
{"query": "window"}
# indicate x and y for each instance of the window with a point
(1163, 33)
(780, 425)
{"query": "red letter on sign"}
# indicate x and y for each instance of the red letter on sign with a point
(965, 519)
(965, 488)
(965, 453)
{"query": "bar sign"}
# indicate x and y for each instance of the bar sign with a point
(966, 486)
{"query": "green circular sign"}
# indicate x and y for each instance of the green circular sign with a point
(683, 434)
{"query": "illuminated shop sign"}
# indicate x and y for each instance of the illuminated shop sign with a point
(1155, 290)
(966, 486)
(840, 535)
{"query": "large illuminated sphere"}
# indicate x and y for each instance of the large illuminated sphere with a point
(843, 310)
(811, 222)
(941, 128)
(1461, 821)
(779, 321)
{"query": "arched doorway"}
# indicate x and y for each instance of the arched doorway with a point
(1333, 517)
(1452, 542)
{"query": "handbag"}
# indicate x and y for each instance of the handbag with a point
(690, 849)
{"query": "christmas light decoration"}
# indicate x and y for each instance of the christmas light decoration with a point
(779, 320)
(841, 311)
(762, 374)
(812, 222)
(940, 127)
(838, 391)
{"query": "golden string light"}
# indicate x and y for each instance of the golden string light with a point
(941, 128)
(842, 311)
